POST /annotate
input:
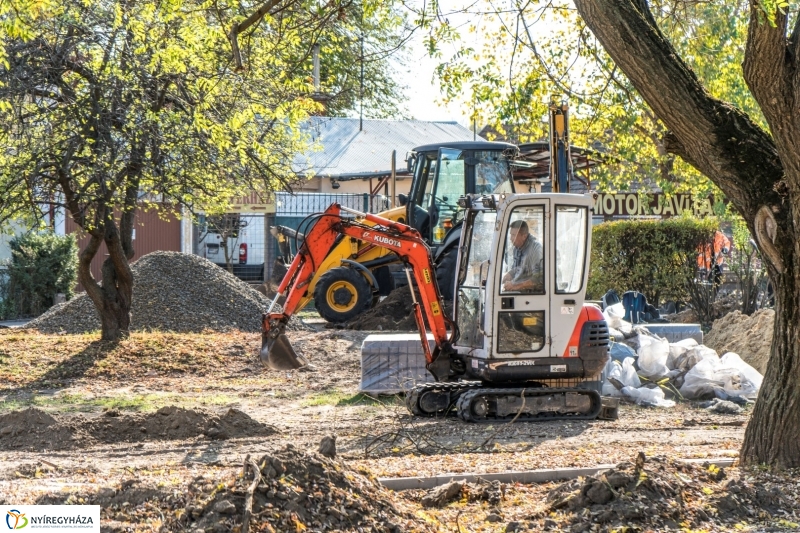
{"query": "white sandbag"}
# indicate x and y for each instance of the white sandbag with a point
(628, 376)
(751, 374)
(653, 353)
(613, 370)
(614, 314)
(677, 349)
(646, 396)
(712, 374)
(690, 358)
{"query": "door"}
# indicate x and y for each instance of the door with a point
(449, 186)
(521, 288)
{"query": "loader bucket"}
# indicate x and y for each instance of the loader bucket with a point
(278, 354)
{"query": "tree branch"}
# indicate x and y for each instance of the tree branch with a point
(765, 66)
(716, 138)
(237, 29)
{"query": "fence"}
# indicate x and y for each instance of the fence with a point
(308, 203)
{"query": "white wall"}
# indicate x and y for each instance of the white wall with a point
(5, 239)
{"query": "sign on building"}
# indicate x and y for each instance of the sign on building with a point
(657, 204)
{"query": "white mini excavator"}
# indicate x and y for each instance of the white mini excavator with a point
(521, 342)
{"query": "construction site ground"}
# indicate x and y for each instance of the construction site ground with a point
(144, 471)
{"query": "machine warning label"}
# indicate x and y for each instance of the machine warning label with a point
(435, 308)
(427, 275)
(567, 310)
(558, 368)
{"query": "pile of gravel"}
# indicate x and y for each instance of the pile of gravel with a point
(171, 292)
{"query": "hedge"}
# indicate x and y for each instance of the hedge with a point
(41, 266)
(655, 257)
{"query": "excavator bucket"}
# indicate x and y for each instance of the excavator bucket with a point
(278, 354)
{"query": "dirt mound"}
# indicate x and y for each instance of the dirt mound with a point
(393, 313)
(35, 429)
(748, 336)
(658, 494)
(171, 292)
(297, 491)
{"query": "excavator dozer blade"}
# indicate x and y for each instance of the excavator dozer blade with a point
(278, 354)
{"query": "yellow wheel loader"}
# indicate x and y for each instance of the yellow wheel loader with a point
(354, 273)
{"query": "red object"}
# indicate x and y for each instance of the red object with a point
(243, 254)
(588, 313)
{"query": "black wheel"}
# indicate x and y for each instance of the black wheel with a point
(342, 294)
(446, 272)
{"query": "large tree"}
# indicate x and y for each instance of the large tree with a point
(109, 106)
(758, 170)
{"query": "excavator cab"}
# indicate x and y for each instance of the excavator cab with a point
(445, 172)
(522, 279)
(442, 174)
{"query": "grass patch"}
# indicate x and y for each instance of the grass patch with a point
(143, 403)
(338, 398)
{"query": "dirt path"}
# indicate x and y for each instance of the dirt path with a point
(300, 408)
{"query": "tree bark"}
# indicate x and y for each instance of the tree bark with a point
(759, 175)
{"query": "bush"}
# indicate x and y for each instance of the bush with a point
(655, 257)
(41, 266)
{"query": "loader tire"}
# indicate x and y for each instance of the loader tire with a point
(446, 273)
(341, 294)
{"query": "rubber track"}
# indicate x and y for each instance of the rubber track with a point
(465, 413)
(413, 396)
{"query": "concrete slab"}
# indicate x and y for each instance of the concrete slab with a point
(527, 476)
(14, 323)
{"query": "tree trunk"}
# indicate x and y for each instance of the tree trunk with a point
(727, 146)
(112, 299)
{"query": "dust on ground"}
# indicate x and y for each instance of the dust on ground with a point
(748, 336)
(160, 480)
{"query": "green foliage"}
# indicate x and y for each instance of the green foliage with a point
(529, 51)
(42, 265)
(657, 258)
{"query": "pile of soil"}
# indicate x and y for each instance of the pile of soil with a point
(659, 494)
(171, 292)
(34, 429)
(748, 336)
(297, 492)
(393, 313)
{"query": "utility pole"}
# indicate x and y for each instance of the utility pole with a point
(361, 88)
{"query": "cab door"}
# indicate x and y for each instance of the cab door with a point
(521, 291)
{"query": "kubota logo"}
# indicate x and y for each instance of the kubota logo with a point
(381, 239)
(16, 519)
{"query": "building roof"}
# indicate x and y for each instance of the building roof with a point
(348, 152)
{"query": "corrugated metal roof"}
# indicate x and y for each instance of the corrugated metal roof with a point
(346, 151)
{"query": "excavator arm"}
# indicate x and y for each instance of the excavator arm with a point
(403, 240)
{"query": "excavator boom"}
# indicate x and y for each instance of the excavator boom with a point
(403, 240)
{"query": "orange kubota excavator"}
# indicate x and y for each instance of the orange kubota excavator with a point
(521, 343)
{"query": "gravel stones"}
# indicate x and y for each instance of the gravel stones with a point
(32, 428)
(171, 292)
